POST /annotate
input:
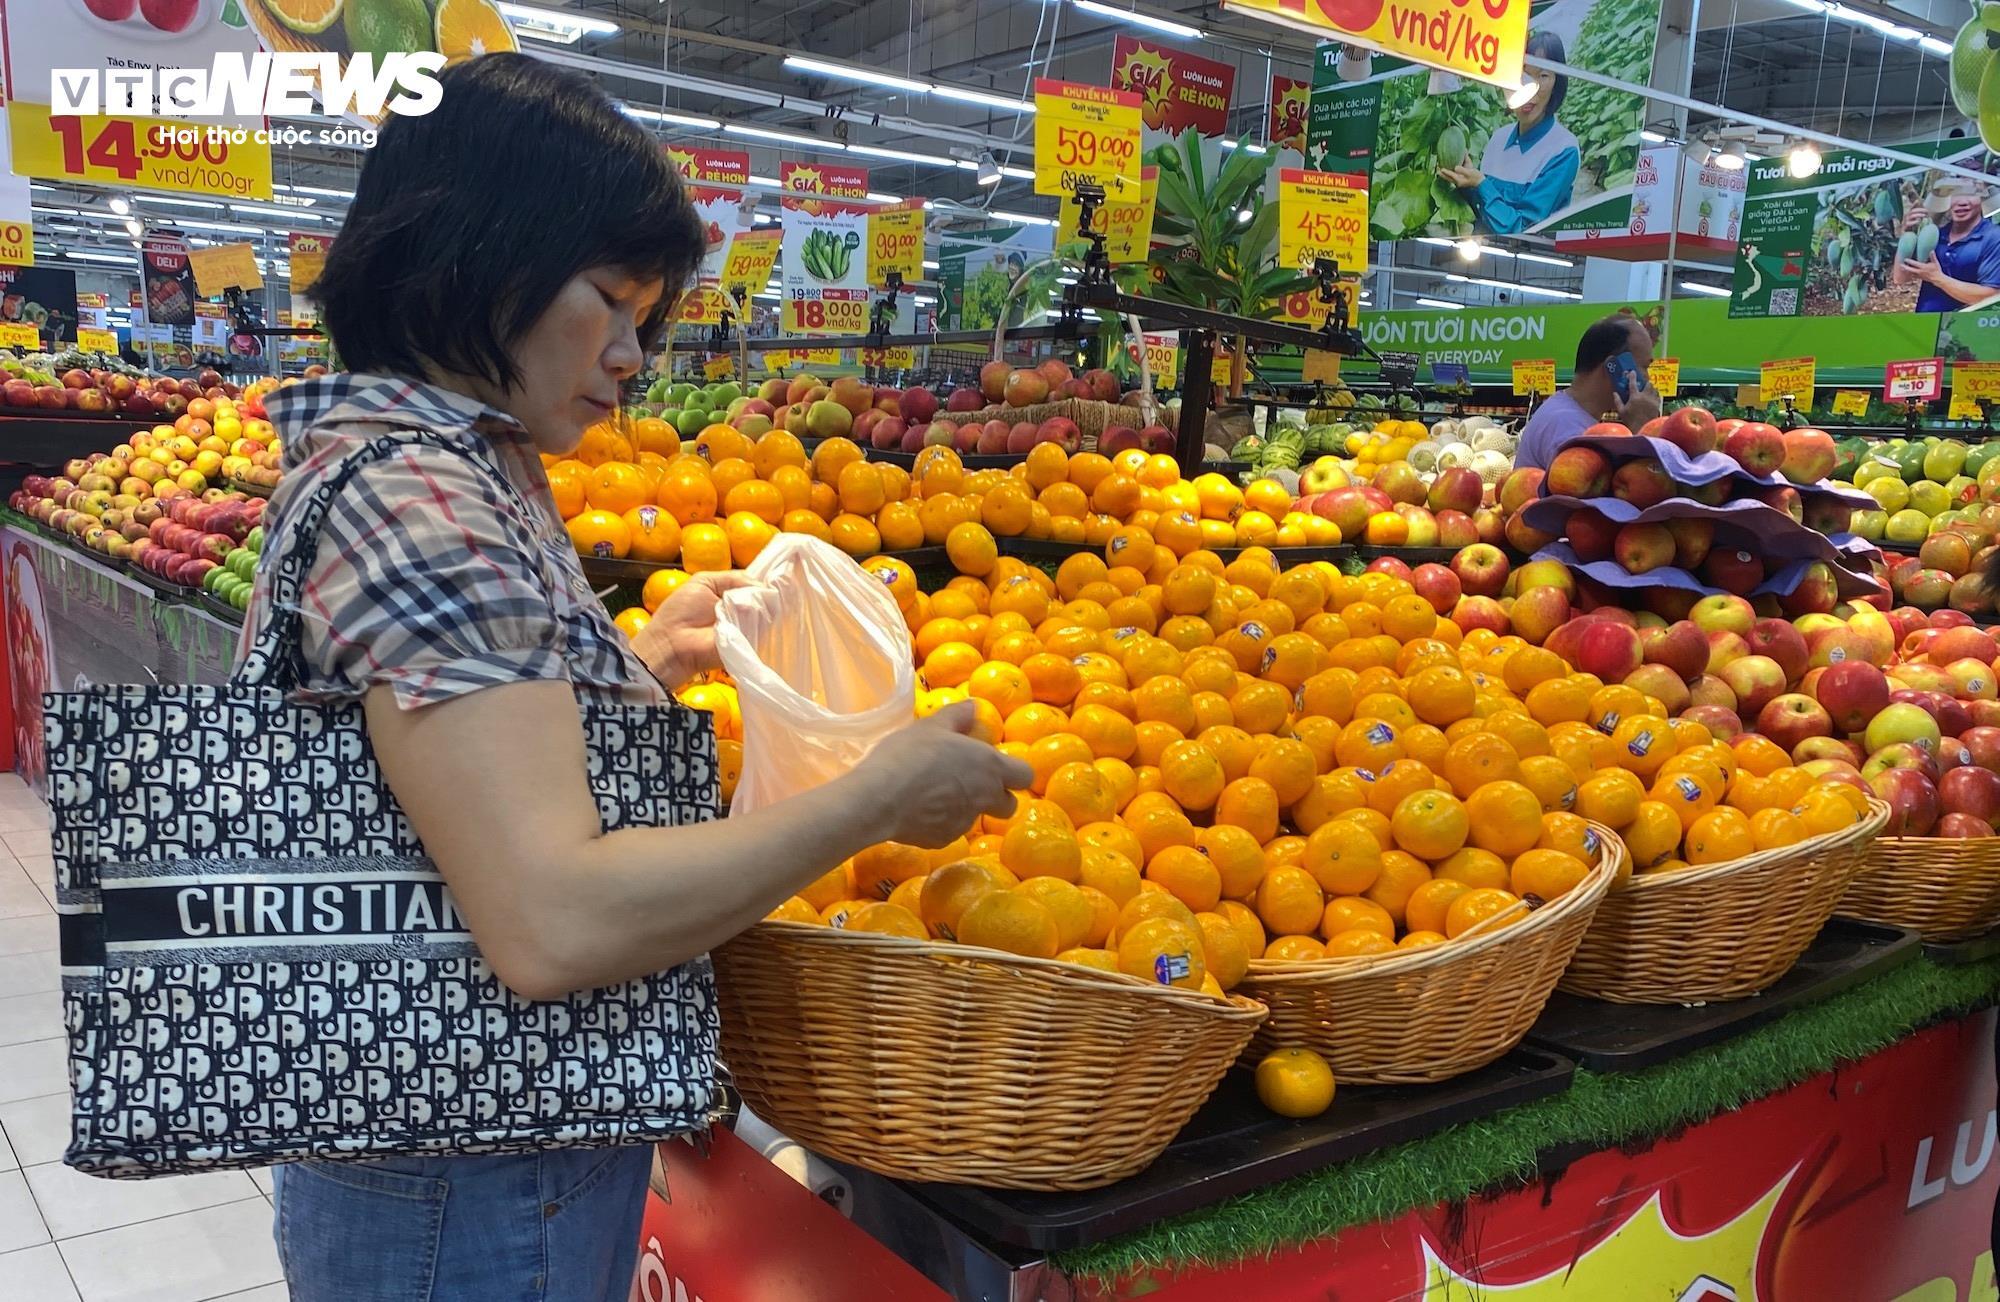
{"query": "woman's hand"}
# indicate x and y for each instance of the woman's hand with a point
(929, 781)
(679, 641)
(1465, 176)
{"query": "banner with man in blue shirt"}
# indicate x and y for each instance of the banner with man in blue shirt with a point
(1964, 268)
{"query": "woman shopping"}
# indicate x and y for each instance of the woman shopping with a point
(1528, 171)
(509, 260)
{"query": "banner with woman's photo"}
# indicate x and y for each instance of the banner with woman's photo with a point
(1868, 235)
(1448, 157)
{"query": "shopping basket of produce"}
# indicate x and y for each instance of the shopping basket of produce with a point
(923, 1060)
(1721, 931)
(1422, 1015)
(1948, 888)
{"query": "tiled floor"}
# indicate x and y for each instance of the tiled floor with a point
(66, 1237)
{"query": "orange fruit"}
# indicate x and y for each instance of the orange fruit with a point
(655, 534)
(600, 533)
(1066, 904)
(971, 548)
(1223, 951)
(1429, 824)
(1546, 874)
(1570, 834)
(569, 483)
(1475, 907)
(1478, 758)
(1112, 871)
(1238, 858)
(1720, 835)
(747, 534)
(1332, 795)
(951, 889)
(1010, 921)
(1108, 733)
(1428, 904)
(1551, 780)
(1192, 776)
(660, 585)
(1643, 743)
(1653, 834)
(888, 919)
(1077, 788)
(1188, 875)
(631, 619)
(1402, 874)
(1367, 744)
(1249, 931)
(1559, 700)
(1474, 867)
(1289, 901)
(1611, 797)
(1250, 804)
(1505, 818)
(1342, 857)
(1287, 764)
(1295, 949)
(1004, 685)
(1400, 778)
(617, 487)
(1295, 1083)
(882, 867)
(1033, 849)
(1164, 950)
(854, 534)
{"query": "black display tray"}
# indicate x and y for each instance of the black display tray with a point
(604, 569)
(1234, 1145)
(1608, 1037)
(1051, 550)
(969, 460)
(1974, 949)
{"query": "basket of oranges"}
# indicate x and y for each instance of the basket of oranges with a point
(1948, 888)
(1735, 874)
(1476, 963)
(936, 1035)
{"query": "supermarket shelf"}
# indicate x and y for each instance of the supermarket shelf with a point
(1976, 949)
(1235, 1145)
(1607, 1037)
(48, 441)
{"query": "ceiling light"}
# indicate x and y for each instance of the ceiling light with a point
(1245, 145)
(1523, 93)
(124, 258)
(1542, 258)
(903, 155)
(287, 214)
(869, 75)
(1019, 218)
(1652, 137)
(1508, 284)
(988, 99)
(1932, 45)
(1242, 215)
(1696, 287)
(180, 203)
(1732, 157)
(696, 121)
(759, 219)
(1137, 19)
(929, 265)
(880, 196)
(1469, 250)
(133, 227)
(563, 28)
(121, 205)
(314, 189)
(1017, 173)
(1802, 160)
(773, 182)
(989, 171)
(1438, 302)
(293, 201)
(789, 137)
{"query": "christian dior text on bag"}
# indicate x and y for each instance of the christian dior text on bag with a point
(259, 964)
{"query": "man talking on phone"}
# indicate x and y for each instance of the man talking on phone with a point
(1610, 383)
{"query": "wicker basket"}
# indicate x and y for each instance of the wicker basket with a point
(1720, 932)
(1425, 1015)
(927, 1061)
(1944, 887)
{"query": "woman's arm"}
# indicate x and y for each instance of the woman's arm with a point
(494, 784)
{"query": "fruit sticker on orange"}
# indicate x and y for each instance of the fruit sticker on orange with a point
(1665, 375)
(1086, 135)
(1535, 375)
(1787, 377)
(1483, 41)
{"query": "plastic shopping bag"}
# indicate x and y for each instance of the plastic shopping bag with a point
(821, 660)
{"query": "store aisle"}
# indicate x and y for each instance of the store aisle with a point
(66, 1237)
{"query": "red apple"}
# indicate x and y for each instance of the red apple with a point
(1971, 790)
(1777, 639)
(1912, 800)
(1538, 612)
(1592, 534)
(1817, 591)
(1437, 585)
(1962, 827)
(1720, 720)
(1756, 680)
(1792, 718)
(1516, 532)
(1656, 681)
(1643, 482)
(1479, 612)
(1680, 646)
(1963, 642)
(1579, 472)
(1723, 613)
(1481, 570)
(1519, 488)
(1734, 571)
(1691, 429)
(1853, 692)
(1757, 447)
(1809, 456)
(1456, 489)
(1642, 548)
(1390, 566)
(1608, 649)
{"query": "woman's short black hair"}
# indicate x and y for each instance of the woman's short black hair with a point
(1547, 45)
(467, 221)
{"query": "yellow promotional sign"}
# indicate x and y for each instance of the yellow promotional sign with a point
(1322, 215)
(1128, 227)
(1320, 367)
(896, 242)
(1220, 365)
(718, 368)
(1483, 41)
(219, 266)
(1163, 356)
(1536, 376)
(817, 356)
(826, 314)
(96, 341)
(775, 359)
(1665, 375)
(889, 359)
(1850, 402)
(1086, 135)
(1964, 408)
(17, 244)
(1788, 375)
(747, 265)
(704, 306)
(140, 153)
(20, 335)
(308, 259)
(1979, 380)
(1746, 395)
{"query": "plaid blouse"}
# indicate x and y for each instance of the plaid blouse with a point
(430, 576)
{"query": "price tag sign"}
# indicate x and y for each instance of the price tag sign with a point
(1790, 375)
(96, 341)
(719, 368)
(1322, 215)
(1535, 376)
(1918, 381)
(826, 312)
(1128, 227)
(140, 153)
(1850, 402)
(1220, 364)
(1086, 135)
(896, 242)
(775, 359)
(1979, 381)
(826, 264)
(1163, 356)
(17, 243)
(817, 356)
(1665, 374)
(220, 266)
(1964, 408)
(308, 259)
(889, 359)
(704, 306)
(747, 265)
(1449, 372)
(19, 335)
(1320, 366)
(1746, 395)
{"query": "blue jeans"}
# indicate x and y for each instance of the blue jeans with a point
(536, 1227)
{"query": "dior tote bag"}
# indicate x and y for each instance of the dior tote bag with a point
(259, 963)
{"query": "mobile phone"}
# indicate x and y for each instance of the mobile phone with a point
(1622, 368)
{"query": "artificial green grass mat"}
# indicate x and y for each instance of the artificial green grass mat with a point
(1599, 1110)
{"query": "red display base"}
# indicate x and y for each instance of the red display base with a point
(1872, 1183)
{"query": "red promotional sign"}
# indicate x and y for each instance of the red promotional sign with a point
(711, 166)
(1921, 380)
(835, 181)
(1177, 90)
(1288, 112)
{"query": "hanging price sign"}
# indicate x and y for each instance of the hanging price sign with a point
(826, 267)
(719, 368)
(17, 243)
(143, 153)
(896, 242)
(96, 341)
(747, 265)
(1665, 374)
(1964, 408)
(1921, 380)
(1086, 135)
(1322, 215)
(1788, 376)
(1536, 376)
(889, 359)
(307, 260)
(222, 266)
(704, 306)
(1128, 227)
(20, 335)
(775, 359)
(826, 312)
(1976, 380)
(1850, 402)
(1163, 356)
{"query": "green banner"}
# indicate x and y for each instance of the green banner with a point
(1454, 163)
(1835, 243)
(975, 269)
